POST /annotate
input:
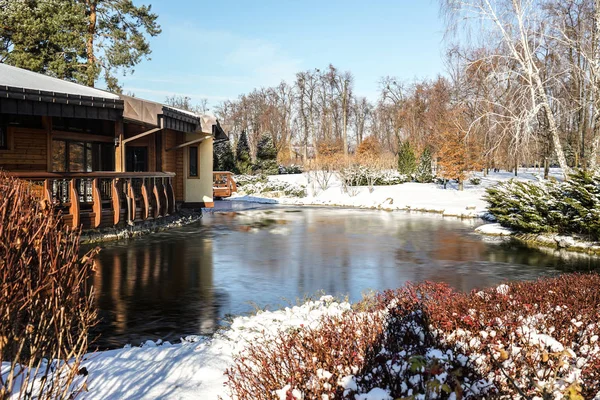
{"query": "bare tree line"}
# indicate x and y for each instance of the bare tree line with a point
(522, 83)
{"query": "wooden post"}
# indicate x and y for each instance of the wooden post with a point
(233, 186)
(170, 196)
(166, 196)
(156, 198)
(120, 149)
(97, 207)
(74, 208)
(47, 191)
(116, 202)
(146, 210)
(131, 196)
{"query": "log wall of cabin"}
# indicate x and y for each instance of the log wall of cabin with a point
(173, 160)
(28, 150)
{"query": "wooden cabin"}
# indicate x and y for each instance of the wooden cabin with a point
(104, 159)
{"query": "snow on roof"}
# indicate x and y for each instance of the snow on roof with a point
(190, 113)
(22, 78)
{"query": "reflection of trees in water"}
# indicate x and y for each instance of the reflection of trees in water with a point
(157, 291)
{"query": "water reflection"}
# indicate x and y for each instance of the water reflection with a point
(154, 289)
(182, 282)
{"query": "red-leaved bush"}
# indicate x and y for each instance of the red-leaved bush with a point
(520, 340)
(46, 306)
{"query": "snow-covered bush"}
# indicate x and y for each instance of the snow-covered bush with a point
(570, 207)
(475, 181)
(290, 169)
(262, 187)
(359, 175)
(243, 180)
(519, 340)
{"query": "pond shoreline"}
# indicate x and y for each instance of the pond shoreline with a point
(571, 244)
(180, 219)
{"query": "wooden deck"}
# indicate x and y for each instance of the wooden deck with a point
(102, 199)
(223, 184)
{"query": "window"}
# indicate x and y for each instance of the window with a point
(193, 162)
(3, 137)
(76, 156)
(136, 159)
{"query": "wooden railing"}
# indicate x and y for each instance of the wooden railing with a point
(99, 199)
(223, 184)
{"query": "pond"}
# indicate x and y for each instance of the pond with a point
(187, 281)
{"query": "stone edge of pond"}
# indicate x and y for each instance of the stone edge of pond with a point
(181, 218)
(570, 244)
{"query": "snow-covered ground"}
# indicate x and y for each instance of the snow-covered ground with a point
(194, 368)
(428, 197)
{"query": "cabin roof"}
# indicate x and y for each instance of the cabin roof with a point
(21, 78)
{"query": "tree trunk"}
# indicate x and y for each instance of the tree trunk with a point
(91, 59)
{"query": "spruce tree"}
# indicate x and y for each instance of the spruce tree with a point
(224, 154)
(243, 161)
(424, 172)
(266, 156)
(407, 162)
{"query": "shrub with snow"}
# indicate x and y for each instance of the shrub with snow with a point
(520, 341)
(570, 207)
(244, 179)
(259, 184)
(290, 169)
(359, 175)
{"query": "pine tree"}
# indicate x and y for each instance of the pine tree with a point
(44, 36)
(116, 38)
(76, 40)
(243, 161)
(424, 172)
(266, 156)
(224, 156)
(407, 162)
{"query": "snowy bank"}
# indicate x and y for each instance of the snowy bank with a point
(195, 366)
(420, 197)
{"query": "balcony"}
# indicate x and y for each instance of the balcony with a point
(94, 200)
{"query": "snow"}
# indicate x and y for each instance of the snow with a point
(195, 366)
(494, 230)
(426, 197)
(22, 78)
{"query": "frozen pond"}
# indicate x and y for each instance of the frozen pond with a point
(185, 281)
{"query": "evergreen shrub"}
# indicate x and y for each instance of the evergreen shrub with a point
(407, 161)
(571, 207)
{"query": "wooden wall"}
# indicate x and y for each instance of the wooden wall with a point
(173, 161)
(28, 150)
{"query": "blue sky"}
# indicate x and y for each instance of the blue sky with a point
(220, 49)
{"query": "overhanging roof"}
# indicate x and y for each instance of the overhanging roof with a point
(29, 93)
(159, 115)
